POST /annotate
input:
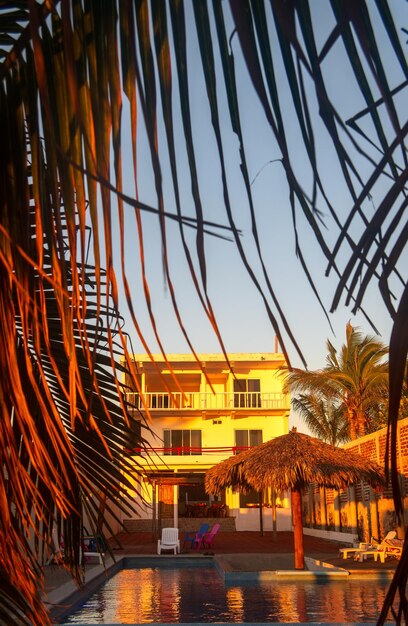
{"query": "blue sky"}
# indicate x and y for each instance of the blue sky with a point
(239, 309)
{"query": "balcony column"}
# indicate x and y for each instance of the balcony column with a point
(175, 505)
(203, 393)
(154, 519)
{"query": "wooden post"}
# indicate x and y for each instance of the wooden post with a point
(311, 506)
(337, 510)
(260, 497)
(274, 526)
(323, 509)
(298, 529)
(352, 506)
(375, 531)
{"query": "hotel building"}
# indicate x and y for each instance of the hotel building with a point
(199, 414)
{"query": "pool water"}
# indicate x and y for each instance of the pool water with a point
(198, 594)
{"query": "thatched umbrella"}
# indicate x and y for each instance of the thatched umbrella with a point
(290, 462)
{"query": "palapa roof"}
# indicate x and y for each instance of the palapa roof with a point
(292, 461)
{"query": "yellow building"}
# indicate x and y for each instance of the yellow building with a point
(201, 414)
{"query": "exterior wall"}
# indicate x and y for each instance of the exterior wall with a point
(217, 413)
(249, 518)
(360, 512)
(111, 526)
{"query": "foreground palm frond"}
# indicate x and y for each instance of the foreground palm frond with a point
(63, 69)
(64, 427)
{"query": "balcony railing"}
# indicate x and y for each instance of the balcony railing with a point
(209, 401)
(188, 451)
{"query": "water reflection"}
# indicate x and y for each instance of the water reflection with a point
(235, 603)
(199, 595)
(146, 595)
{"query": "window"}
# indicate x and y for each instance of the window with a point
(247, 393)
(182, 442)
(250, 500)
(247, 439)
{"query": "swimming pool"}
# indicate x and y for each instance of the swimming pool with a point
(193, 591)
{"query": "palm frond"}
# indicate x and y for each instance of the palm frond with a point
(324, 419)
(63, 67)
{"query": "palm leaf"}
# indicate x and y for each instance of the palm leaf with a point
(63, 67)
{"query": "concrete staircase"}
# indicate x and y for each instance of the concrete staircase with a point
(184, 523)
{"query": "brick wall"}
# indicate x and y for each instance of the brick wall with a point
(360, 510)
(373, 446)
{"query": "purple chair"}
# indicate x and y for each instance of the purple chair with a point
(207, 539)
(192, 537)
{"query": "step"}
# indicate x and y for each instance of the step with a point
(136, 525)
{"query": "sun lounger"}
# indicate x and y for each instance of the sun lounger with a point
(346, 552)
(376, 552)
(379, 550)
(393, 547)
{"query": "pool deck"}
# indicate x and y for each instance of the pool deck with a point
(238, 555)
(250, 551)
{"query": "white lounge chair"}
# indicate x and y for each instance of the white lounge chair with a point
(378, 550)
(375, 551)
(56, 549)
(346, 552)
(169, 540)
(393, 547)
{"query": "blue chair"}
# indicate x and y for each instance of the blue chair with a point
(207, 539)
(193, 536)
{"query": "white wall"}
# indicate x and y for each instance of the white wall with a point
(248, 519)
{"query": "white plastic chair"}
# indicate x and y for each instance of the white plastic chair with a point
(89, 552)
(169, 540)
(56, 548)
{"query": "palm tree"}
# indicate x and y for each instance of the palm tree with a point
(355, 380)
(323, 417)
(64, 67)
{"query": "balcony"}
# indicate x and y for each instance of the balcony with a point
(203, 402)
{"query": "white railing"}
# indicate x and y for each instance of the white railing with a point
(209, 401)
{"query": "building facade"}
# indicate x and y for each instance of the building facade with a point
(200, 414)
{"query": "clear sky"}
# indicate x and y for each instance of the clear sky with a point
(239, 309)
